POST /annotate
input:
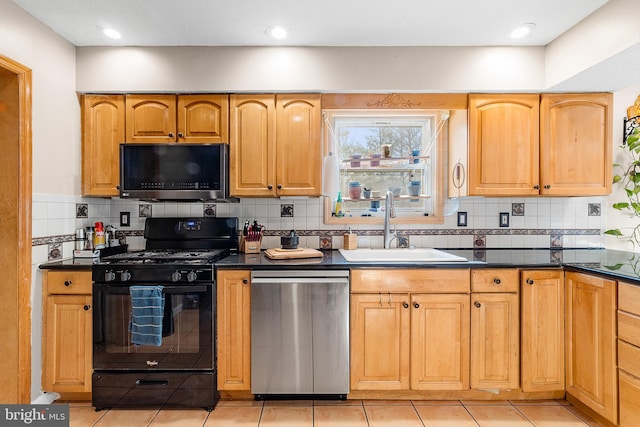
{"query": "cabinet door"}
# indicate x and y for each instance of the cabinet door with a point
(590, 339)
(102, 132)
(252, 154)
(380, 341)
(575, 144)
(299, 161)
(629, 400)
(495, 356)
(542, 338)
(67, 358)
(151, 118)
(440, 342)
(503, 145)
(234, 329)
(203, 118)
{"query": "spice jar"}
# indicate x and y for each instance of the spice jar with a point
(355, 190)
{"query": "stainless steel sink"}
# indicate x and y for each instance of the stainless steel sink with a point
(399, 255)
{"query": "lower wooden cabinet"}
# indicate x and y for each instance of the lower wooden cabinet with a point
(590, 340)
(629, 353)
(542, 330)
(403, 340)
(233, 321)
(67, 331)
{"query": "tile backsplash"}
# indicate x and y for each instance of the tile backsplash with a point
(543, 222)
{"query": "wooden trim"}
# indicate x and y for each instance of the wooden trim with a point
(23, 210)
(446, 101)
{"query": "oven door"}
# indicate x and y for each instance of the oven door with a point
(187, 329)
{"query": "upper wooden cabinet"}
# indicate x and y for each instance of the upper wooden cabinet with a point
(275, 145)
(554, 145)
(575, 144)
(102, 132)
(177, 118)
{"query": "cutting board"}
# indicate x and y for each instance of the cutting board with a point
(279, 253)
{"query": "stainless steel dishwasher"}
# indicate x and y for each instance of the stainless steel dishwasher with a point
(300, 333)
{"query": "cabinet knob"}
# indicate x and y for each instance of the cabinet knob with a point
(537, 187)
(416, 305)
(546, 187)
(86, 307)
(405, 304)
(245, 280)
(496, 280)
(68, 283)
(270, 187)
(170, 134)
(477, 304)
(279, 186)
(180, 135)
(529, 281)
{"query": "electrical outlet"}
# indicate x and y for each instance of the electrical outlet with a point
(125, 219)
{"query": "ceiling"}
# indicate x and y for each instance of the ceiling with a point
(310, 23)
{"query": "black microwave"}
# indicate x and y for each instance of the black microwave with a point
(184, 172)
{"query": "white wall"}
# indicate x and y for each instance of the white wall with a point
(56, 112)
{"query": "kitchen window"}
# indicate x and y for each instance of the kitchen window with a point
(380, 150)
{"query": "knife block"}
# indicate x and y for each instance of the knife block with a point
(250, 246)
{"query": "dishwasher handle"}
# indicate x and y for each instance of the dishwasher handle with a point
(281, 280)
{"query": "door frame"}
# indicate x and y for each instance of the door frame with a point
(21, 268)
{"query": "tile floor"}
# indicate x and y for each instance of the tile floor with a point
(350, 413)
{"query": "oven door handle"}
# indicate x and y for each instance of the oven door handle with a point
(184, 289)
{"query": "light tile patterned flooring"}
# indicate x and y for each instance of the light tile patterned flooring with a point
(350, 413)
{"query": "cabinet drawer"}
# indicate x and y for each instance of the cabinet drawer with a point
(629, 358)
(629, 327)
(410, 280)
(494, 280)
(629, 400)
(68, 282)
(629, 298)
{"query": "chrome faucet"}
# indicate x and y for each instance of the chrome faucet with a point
(389, 212)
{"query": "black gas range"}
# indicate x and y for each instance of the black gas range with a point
(165, 358)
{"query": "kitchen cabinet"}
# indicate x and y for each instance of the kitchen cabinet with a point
(275, 145)
(495, 356)
(542, 332)
(66, 331)
(629, 353)
(550, 144)
(421, 320)
(103, 124)
(590, 340)
(234, 329)
(202, 118)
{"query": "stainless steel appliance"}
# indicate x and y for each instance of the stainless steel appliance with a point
(174, 171)
(173, 364)
(300, 333)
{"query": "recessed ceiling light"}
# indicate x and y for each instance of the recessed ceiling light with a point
(524, 30)
(111, 33)
(277, 32)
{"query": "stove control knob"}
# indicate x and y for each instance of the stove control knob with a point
(176, 276)
(191, 276)
(109, 276)
(125, 276)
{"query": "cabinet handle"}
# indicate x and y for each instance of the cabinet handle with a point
(270, 187)
(405, 304)
(279, 186)
(416, 305)
(529, 281)
(245, 280)
(68, 283)
(477, 304)
(537, 187)
(86, 307)
(170, 134)
(180, 135)
(546, 187)
(496, 280)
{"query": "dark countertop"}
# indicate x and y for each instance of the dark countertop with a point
(618, 265)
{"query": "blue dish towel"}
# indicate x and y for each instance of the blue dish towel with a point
(147, 311)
